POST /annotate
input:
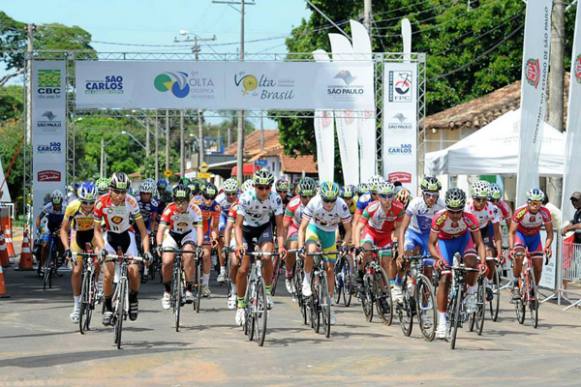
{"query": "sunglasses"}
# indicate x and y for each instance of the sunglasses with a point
(385, 196)
(87, 202)
(535, 202)
(231, 194)
(329, 201)
(181, 201)
(306, 196)
(118, 191)
(431, 194)
(262, 187)
(479, 200)
(456, 212)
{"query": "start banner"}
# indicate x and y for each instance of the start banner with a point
(224, 85)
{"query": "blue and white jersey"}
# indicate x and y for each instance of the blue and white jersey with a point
(421, 215)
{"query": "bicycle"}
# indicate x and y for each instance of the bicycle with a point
(276, 269)
(88, 287)
(456, 299)
(51, 265)
(418, 298)
(256, 310)
(120, 298)
(344, 282)
(495, 285)
(376, 288)
(319, 303)
(298, 282)
(527, 291)
(155, 265)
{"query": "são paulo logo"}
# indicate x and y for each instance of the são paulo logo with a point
(176, 82)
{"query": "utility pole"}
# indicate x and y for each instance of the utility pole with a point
(182, 159)
(240, 144)
(156, 146)
(147, 144)
(166, 140)
(30, 29)
(556, 72)
(185, 36)
(367, 15)
(262, 131)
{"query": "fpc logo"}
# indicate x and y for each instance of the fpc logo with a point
(177, 83)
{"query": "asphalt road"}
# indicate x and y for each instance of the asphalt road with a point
(40, 346)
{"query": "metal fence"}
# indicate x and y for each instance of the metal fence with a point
(570, 273)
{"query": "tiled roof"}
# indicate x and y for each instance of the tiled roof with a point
(298, 164)
(252, 142)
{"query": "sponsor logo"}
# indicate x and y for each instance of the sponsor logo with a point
(117, 219)
(111, 84)
(578, 68)
(348, 87)
(264, 87)
(53, 147)
(181, 84)
(48, 175)
(533, 72)
(402, 177)
(400, 86)
(402, 149)
(49, 120)
(49, 83)
(399, 121)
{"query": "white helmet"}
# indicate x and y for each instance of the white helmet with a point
(56, 197)
(148, 186)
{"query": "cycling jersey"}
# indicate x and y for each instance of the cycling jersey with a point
(233, 213)
(258, 212)
(225, 204)
(323, 219)
(353, 205)
(422, 215)
(79, 221)
(362, 202)
(181, 222)
(117, 218)
(449, 229)
(529, 223)
(294, 214)
(210, 216)
(149, 211)
(379, 225)
(54, 216)
(505, 211)
(489, 214)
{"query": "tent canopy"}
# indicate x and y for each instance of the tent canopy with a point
(5, 196)
(493, 150)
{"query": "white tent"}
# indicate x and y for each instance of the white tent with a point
(5, 197)
(493, 150)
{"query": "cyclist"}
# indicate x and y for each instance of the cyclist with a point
(180, 228)
(253, 230)
(417, 221)
(364, 199)
(488, 216)
(102, 184)
(225, 199)
(293, 214)
(210, 221)
(378, 224)
(496, 199)
(118, 209)
(321, 218)
(78, 223)
(282, 187)
(54, 211)
(455, 230)
(404, 196)
(524, 233)
(163, 194)
(148, 206)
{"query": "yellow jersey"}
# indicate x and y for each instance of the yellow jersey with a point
(79, 220)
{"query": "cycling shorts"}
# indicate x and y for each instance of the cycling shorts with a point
(172, 240)
(463, 245)
(325, 239)
(531, 242)
(293, 233)
(414, 239)
(378, 242)
(259, 235)
(223, 222)
(80, 240)
(124, 240)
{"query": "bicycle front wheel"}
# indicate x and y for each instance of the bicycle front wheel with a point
(495, 302)
(84, 302)
(426, 307)
(275, 274)
(367, 300)
(177, 296)
(383, 301)
(520, 304)
(405, 311)
(533, 300)
(455, 317)
(347, 283)
(325, 304)
(260, 312)
(198, 286)
(119, 312)
(339, 282)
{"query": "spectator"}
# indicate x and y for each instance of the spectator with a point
(570, 251)
(575, 224)
(555, 212)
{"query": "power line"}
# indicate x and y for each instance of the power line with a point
(438, 7)
(483, 55)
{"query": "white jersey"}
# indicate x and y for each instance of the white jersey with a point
(488, 214)
(222, 200)
(326, 220)
(421, 215)
(258, 212)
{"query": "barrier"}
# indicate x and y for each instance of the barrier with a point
(570, 273)
(4, 259)
(6, 228)
(25, 253)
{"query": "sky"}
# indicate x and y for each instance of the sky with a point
(159, 22)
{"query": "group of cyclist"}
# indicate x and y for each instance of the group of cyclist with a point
(199, 219)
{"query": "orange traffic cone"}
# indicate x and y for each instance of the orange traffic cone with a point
(2, 284)
(25, 253)
(4, 260)
(8, 241)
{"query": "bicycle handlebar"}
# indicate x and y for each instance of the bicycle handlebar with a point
(262, 254)
(113, 258)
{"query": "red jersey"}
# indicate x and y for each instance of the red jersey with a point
(210, 213)
(181, 222)
(233, 212)
(294, 211)
(529, 223)
(378, 222)
(117, 218)
(504, 208)
(448, 229)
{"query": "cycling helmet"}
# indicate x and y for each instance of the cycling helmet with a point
(181, 192)
(56, 197)
(535, 194)
(495, 192)
(329, 191)
(404, 197)
(455, 199)
(120, 181)
(373, 182)
(248, 184)
(347, 192)
(362, 188)
(263, 177)
(87, 192)
(307, 187)
(103, 185)
(210, 191)
(202, 185)
(384, 188)
(185, 181)
(162, 184)
(480, 189)
(281, 185)
(148, 186)
(231, 186)
(430, 184)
